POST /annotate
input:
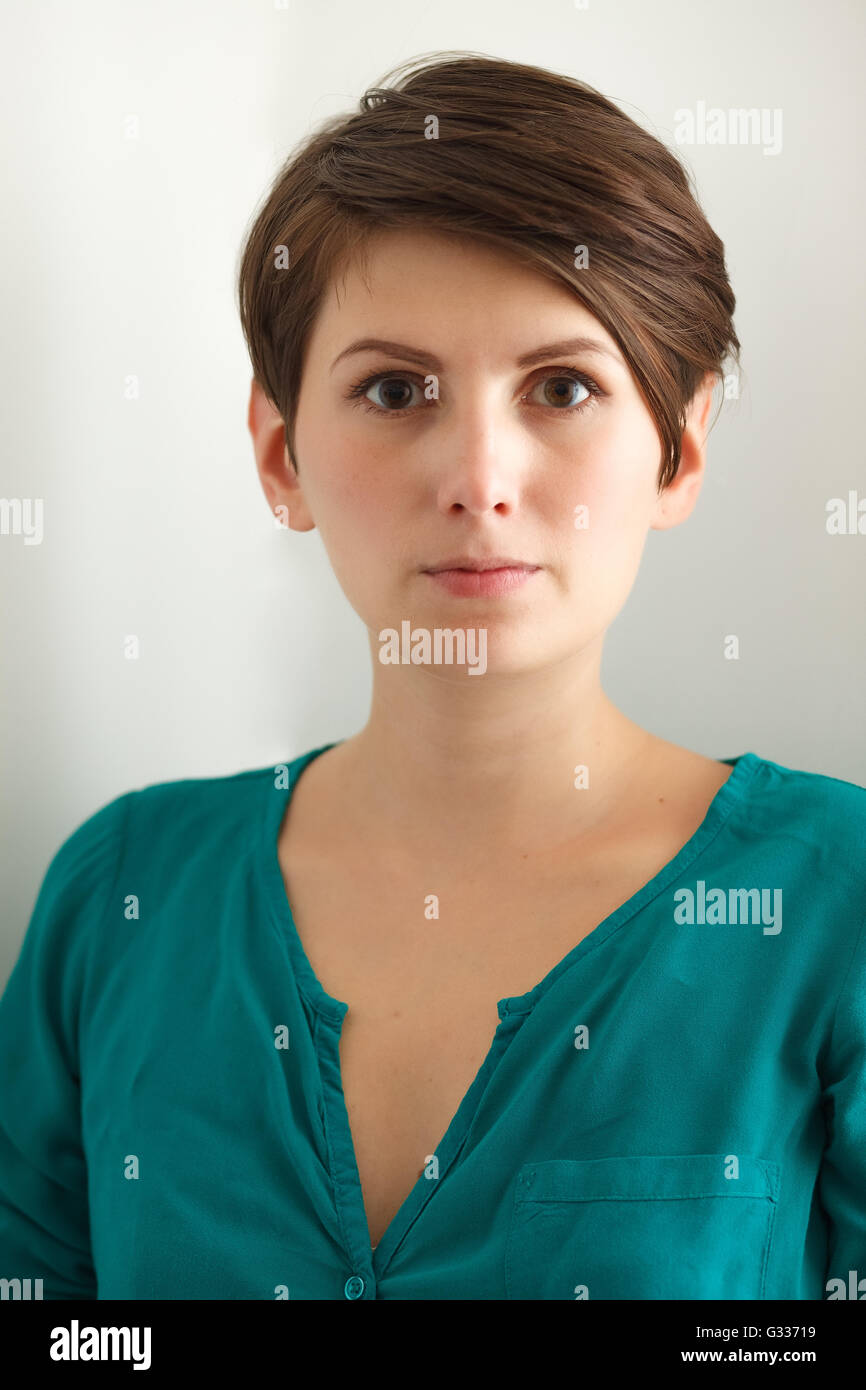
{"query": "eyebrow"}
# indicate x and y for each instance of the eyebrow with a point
(564, 347)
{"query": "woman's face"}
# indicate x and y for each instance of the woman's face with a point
(455, 448)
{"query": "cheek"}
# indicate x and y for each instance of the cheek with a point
(616, 476)
(605, 518)
(614, 494)
(345, 487)
(360, 501)
(355, 500)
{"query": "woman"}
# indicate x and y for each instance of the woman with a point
(503, 997)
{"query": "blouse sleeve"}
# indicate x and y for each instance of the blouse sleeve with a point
(842, 1177)
(44, 1223)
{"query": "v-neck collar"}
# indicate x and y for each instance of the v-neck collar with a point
(731, 791)
(367, 1260)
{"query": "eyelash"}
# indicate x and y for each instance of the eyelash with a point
(357, 393)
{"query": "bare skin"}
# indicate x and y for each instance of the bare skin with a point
(457, 785)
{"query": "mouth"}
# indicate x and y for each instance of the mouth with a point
(474, 578)
(480, 565)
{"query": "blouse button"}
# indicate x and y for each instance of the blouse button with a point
(354, 1286)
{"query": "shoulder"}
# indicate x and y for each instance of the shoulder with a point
(804, 835)
(144, 817)
(207, 815)
(823, 785)
(79, 872)
(159, 826)
(195, 816)
(821, 813)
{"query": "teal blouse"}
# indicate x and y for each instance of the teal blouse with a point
(677, 1110)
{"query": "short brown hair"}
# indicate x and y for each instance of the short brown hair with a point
(530, 161)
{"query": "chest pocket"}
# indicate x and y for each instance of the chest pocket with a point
(641, 1227)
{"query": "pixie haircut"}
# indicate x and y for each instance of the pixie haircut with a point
(528, 161)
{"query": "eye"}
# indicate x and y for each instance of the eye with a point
(558, 390)
(391, 392)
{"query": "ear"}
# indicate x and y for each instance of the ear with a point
(277, 476)
(678, 499)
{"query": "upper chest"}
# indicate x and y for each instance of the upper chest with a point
(401, 942)
(421, 962)
(422, 1013)
(422, 954)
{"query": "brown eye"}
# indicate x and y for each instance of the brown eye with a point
(390, 393)
(559, 391)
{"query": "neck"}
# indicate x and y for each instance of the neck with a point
(458, 770)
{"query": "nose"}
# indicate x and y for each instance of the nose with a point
(476, 467)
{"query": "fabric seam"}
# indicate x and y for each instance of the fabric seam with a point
(98, 933)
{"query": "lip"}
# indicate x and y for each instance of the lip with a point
(488, 578)
(484, 562)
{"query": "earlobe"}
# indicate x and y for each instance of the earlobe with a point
(678, 500)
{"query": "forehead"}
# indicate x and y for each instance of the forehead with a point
(458, 289)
